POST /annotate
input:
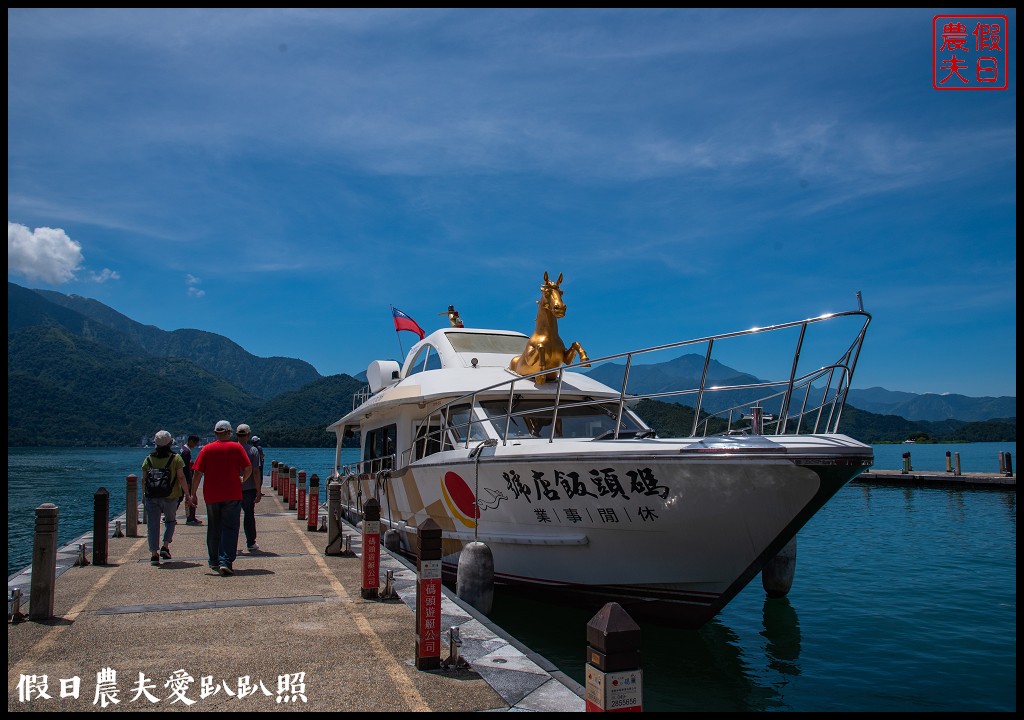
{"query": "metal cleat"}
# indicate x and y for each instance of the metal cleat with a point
(81, 560)
(14, 613)
(454, 661)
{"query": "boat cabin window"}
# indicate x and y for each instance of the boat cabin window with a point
(462, 422)
(426, 359)
(428, 440)
(486, 343)
(532, 418)
(379, 448)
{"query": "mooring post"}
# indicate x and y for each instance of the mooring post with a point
(428, 595)
(1002, 462)
(613, 674)
(334, 539)
(100, 526)
(1009, 465)
(282, 482)
(300, 499)
(956, 464)
(44, 563)
(906, 463)
(273, 475)
(131, 510)
(371, 549)
(313, 511)
(949, 461)
(292, 483)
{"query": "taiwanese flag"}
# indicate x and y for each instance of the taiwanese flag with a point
(404, 322)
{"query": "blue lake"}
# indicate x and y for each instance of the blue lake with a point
(904, 598)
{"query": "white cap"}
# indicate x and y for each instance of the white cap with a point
(222, 426)
(242, 429)
(162, 438)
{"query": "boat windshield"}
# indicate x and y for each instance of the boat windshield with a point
(486, 343)
(532, 419)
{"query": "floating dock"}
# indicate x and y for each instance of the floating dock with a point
(938, 479)
(288, 631)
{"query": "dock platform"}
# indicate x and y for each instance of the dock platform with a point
(938, 479)
(288, 631)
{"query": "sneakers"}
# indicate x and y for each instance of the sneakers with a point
(226, 570)
(215, 567)
(165, 553)
(252, 548)
(194, 521)
(155, 559)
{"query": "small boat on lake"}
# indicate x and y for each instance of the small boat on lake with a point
(510, 440)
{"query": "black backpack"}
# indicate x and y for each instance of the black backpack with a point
(159, 482)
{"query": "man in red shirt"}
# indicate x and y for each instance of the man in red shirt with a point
(225, 465)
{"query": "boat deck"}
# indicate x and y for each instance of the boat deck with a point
(289, 609)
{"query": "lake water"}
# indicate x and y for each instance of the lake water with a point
(904, 598)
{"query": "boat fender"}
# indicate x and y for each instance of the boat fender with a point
(475, 580)
(777, 573)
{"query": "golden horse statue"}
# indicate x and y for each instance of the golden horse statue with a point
(545, 350)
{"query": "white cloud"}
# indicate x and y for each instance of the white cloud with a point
(191, 280)
(104, 275)
(46, 254)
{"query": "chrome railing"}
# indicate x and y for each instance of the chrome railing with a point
(819, 395)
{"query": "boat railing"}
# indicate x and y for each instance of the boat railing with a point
(809, 402)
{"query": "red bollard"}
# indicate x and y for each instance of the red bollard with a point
(314, 502)
(300, 500)
(371, 549)
(291, 488)
(428, 596)
(273, 475)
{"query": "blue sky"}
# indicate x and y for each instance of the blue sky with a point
(283, 177)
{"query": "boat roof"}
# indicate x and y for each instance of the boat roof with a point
(453, 362)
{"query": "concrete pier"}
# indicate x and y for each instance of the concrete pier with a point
(288, 630)
(938, 479)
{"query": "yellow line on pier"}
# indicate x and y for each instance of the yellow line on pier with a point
(407, 690)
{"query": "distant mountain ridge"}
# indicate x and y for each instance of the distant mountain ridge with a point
(91, 319)
(685, 372)
(80, 373)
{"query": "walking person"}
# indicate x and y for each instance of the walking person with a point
(225, 466)
(186, 456)
(163, 483)
(252, 488)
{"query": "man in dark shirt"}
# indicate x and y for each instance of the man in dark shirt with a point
(186, 455)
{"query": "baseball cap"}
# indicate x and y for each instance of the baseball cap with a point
(222, 426)
(162, 438)
(255, 439)
(242, 429)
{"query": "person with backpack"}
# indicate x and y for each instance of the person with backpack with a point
(163, 482)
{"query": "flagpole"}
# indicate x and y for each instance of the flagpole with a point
(401, 357)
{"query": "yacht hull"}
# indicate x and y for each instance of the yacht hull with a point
(672, 530)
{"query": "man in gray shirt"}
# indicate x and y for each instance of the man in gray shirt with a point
(252, 489)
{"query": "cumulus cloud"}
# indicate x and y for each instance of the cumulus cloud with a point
(46, 254)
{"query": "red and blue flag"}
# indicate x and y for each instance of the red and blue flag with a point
(404, 322)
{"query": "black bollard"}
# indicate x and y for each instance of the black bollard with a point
(100, 526)
(44, 563)
(614, 678)
(428, 596)
(334, 532)
(1009, 465)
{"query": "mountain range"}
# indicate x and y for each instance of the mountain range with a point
(81, 373)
